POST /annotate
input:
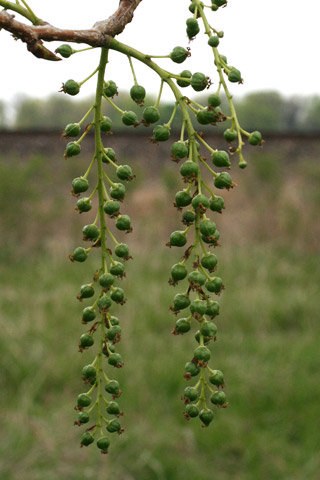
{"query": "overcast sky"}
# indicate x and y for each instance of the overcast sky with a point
(274, 44)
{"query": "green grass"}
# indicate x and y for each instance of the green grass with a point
(267, 346)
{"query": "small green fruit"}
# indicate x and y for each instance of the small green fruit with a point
(216, 204)
(215, 285)
(216, 378)
(103, 443)
(72, 149)
(197, 278)
(79, 255)
(151, 115)
(180, 302)
(83, 417)
(161, 133)
(179, 54)
(188, 217)
(191, 393)
(178, 272)
(117, 191)
(89, 372)
(179, 150)
(234, 76)
(200, 202)
(178, 239)
(209, 329)
(111, 207)
(223, 180)
(71, 87)
(124, 172)
(192, 369)
(202, 354)
(106, 124)
(65, 50)
(86, 291)
(198, 306)
(221, 158)
(113, 332)
(192, 27)
(184, 74)
(117, 269)
(91, 232)
(213, 41)
(110, 89)
(205, 116)
(137, 93)
(182, 199)
(255, 138)
(213, 309)
(83, 400)
(123, 222)
(122, 250)
(209, 262)
(72, 130)
(207, 227)
(111, 154)
(87, 439)
(218, 398)
(129, 118)
(88, 314)
(230, 135)
(115, 360)
(112, 387)
(117, 295)
(206, 416)
(86, 340)
(198, 81)
(182, 325)
(189, 169)
(192, 410)
(84, 204)
(113, 408)
(104, 303)
(79, 185)
(106, 280)
(214, 100)
(114, 426)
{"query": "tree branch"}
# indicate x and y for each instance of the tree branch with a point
(98, 36)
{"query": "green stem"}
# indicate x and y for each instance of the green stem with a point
(132, 70)
(88, 78)
(25, 12)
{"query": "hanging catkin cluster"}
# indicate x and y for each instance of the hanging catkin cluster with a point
(195, 273)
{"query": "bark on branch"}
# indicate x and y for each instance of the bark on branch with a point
(97, 36)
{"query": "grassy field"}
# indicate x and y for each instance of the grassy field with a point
(268, 339)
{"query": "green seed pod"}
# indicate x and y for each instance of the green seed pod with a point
(178, 239)
(114, 426)
(179, 54)
(192, 369)
(180, 302)
(137, 93)
(189, 169)
(234, 76)
(213, 309)
(117, 295)
(192, 27)
(214, 100)
(79, 254)
(87, 439)
(122, 250)
(182, 199)
(255, 138)
(110, 154)
(88, 314)
(115, 360)
(124, 172)
(79, 185)
(210, 240)
(72, 130)
(200, 202)
(179, 149)
(178, 272)
(84, 204)
(123, 222)
(209, 329)
(215, 285)
(89, 372)
(117, 191)
(91, 232)
(219, 3)
(216, 204)
(183, 325)
(65, 50)
(213, 41)
(214, 7)
(113, 332)
(110, 89)
(103, 443)
(151, 115)
(207, 227)
(221, 158)
(161, 133)
(191, 393)
(83, 400)
(117, 269)
(206, 416)
(113, 408)
(105, 124)
(218, 398)
(184, 74)
(111, 207)
(86, 291)
(197, 278)
(205, 117)
(71, 87)
(106, 280)
(209, 262)
(220, 34)
(104, 303)
(198, 306)
(223, 180)
(83, 417)
(72, 149)
(216, 378)
(129, 118)
(192, 410)
(230, 135)
(202, 354)
(112, 387)
(188, 217)
(114, 320)
(86, 340)
(198, 81)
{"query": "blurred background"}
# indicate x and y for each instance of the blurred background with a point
(268, 330)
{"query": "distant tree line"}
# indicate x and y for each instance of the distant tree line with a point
(268, 111)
